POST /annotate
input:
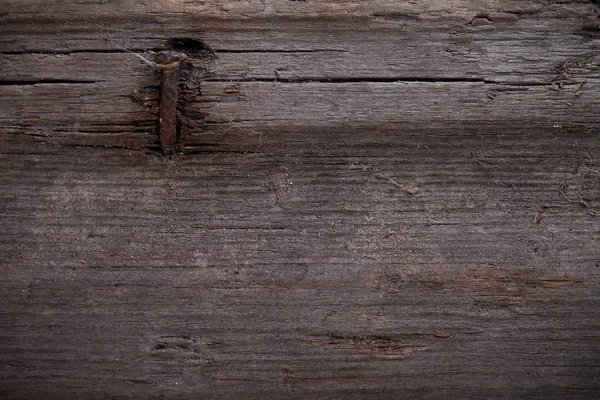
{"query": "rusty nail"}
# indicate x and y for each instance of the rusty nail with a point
(167, 125)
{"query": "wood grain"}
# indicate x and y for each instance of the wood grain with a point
(86, 84)
(374, 199)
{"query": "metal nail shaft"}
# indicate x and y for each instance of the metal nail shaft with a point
(167, 126)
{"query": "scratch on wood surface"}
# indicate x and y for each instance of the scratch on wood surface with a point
(489, 278)
(396, 347)
(410, 188)
(184, 348)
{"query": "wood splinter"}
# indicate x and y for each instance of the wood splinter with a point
(167, 125)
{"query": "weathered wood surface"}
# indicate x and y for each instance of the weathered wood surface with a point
(374, 200)
(298, 65)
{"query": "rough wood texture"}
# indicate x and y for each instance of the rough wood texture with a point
(374, 200)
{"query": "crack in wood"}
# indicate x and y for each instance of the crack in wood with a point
(47, 81)
(278, 51)
(416, 79)
(184, 348)
(76, 51)
(383, 345)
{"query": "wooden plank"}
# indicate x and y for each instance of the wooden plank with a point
(83, 68)
(318, 9)
(348, 274)
(375, 199)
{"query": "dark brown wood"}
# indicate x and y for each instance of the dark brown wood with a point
(375, 199)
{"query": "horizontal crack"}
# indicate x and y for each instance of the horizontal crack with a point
(47, 81)
(415, 79)
(103, 146)
(200, 150)
(145, 50)
(52, 52)
(357, 80)
(280, 51)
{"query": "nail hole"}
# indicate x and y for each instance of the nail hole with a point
(189, 46)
